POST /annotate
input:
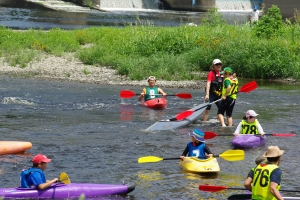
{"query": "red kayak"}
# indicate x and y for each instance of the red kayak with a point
(156, 104)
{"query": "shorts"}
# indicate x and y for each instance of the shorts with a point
(227, 106)
(212, 98)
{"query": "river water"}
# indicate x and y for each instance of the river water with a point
(95, 137)
(23, 18)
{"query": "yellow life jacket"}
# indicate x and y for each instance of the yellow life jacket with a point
(261, 182)
(249, 128)
(234, 83)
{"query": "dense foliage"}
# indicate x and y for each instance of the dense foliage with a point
(270, 49)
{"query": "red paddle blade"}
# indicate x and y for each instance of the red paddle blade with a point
(209, 135)
(283, 134)
(211, 188)
(127, 94)
(184, 95)
(248, 87)
(184, 114)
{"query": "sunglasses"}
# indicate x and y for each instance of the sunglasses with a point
(251, 117)
(218, 64)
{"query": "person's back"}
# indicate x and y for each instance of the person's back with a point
(34, 177)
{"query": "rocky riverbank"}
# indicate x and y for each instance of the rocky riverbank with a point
(69, 68)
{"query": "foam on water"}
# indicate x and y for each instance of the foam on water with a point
(16, 100)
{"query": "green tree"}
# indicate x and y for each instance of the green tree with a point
(269, 25)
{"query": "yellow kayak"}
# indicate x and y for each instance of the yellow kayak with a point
(195, 165)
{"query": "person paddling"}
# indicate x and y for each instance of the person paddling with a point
(35, 176)
(197, 147)
(264, 181)
(151, 91)
(249, 125)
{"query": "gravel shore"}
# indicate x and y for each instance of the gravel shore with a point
(69, 68)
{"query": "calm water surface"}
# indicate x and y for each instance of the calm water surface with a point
(23, 18)
(97, 138)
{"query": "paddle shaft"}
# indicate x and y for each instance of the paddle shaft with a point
(217, 188)
(232, 188)
(176, 158)
(210, 135)
(248, 87)
(130, 94)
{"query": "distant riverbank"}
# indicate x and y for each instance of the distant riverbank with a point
(182, 54)
(69, 68)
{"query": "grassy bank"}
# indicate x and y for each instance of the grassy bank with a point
(170, 53)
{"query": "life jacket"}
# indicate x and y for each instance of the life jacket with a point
(25, 174)
(261, 182)
(234, 83)
(249, 128)
(216, 84)
(151, 93)
(196, 150)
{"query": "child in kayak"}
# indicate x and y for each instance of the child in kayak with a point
(34, 176)
(229, 91)
(151, 91)
(197, 148)
(249, 125)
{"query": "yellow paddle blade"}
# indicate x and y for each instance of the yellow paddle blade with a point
(233, 155)
(147, 159)
(63, 177)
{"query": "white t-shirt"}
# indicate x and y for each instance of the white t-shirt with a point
(254, 15)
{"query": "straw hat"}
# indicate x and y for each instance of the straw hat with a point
(273, 151)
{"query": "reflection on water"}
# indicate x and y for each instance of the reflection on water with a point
(22, 18)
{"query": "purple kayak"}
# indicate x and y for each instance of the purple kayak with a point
(248, 141)
(71, 190)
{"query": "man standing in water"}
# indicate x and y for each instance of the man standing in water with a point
(264, 180)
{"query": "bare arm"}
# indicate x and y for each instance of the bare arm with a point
(47, 184)
(142, 94)
(160, 91)
(260, 129)
(274, 191)
(247, 184)
(226, 92)
(238, 129)
(207, 90)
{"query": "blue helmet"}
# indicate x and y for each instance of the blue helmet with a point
(255, 8)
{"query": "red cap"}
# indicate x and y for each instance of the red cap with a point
(40, 158)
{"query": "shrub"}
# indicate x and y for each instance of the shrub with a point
(269, 25)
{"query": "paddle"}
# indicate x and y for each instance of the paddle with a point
(63, 177)
(129, 94)
(217, 188)
(209, 135)
(230, 155)
(248, 87)
(248, 196)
